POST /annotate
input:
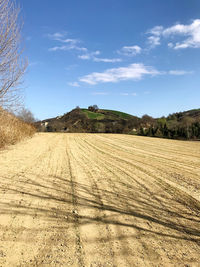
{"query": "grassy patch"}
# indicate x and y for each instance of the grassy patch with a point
(120, 114)
(93, 115)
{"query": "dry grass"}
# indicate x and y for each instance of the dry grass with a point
(13, 130)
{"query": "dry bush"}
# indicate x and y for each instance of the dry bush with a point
(13, 129)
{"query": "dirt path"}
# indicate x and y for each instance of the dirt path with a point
(100, 200)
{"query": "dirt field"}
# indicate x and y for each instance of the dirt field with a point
(100, 200)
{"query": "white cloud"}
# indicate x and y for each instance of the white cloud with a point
(71, 41)
(83, 49)
(179, 72)
(170, 45)
(84, 57)
(154, 41)
(68, 47)
(132, 72)
(74, 84)
(72, 44)
(130, 50)
(189, 32)
(107, 60)
(57, 35)
(55, 48)
(92, 56)
(157, 30)
(88, 55)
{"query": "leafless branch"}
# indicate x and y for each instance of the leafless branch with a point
(12, 64)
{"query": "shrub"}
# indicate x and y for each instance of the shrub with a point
(12, 129)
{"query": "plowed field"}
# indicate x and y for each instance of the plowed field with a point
(100, 200)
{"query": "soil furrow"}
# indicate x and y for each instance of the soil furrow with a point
(98, 200)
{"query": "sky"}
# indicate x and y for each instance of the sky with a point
(137, 56)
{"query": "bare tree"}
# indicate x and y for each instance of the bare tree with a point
(12, 64)
(26, 115)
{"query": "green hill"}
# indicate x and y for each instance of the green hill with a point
(107, 114)
(85, 120)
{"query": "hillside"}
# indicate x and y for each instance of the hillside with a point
(84, 120)
(180, 125)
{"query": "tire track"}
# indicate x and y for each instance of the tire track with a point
(104, 248)
(79, 246)
(155, 173)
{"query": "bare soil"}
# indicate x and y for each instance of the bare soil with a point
(100, 200)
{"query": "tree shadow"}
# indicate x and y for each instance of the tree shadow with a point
(60, 200)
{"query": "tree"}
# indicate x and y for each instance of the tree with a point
(12, 65)
(146, 119)
(26, 115)
(93, 108)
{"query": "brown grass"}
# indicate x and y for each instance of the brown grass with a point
(13, 130)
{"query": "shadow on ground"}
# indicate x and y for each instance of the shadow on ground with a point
(61, 200)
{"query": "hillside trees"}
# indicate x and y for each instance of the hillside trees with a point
(12, 64)
(172, 127)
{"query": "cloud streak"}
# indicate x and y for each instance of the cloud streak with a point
(74, 44)
(68, 47)
(179, 72)
(107, 60)
(93, 56)
(130, 50)
(68, 44)
(132, 72)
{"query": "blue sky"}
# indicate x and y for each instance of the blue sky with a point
(136, 56)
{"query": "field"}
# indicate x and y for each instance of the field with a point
(100, 200)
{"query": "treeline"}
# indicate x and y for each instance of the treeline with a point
(182, 125)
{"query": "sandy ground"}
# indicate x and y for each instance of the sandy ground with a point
(100, 200)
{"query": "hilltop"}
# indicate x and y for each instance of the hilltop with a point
(180, 125)
(91, 121)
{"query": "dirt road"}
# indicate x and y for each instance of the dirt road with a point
(100, 200)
